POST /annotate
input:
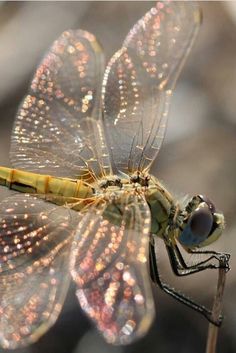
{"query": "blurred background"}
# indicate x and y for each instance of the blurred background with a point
(198, 156)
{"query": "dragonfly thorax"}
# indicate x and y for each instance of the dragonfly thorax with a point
(134, 181)
(112, 181)
(141, 179)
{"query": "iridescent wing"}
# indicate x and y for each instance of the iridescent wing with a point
(110, 267)
(57, 129)
(139, 79)
(35, 243)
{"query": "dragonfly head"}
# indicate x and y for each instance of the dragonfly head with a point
(202, 224)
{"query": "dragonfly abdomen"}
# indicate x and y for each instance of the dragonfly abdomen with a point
(34, 183)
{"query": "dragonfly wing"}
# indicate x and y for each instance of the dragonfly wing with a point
(57, 129)
(110, 267)
(35, 242)
(139, 79)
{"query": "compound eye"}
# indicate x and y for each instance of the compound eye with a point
(209, 203)
(198, 228)
(201, 222)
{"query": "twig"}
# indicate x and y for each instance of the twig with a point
(216, 312)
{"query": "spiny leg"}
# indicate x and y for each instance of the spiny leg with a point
(214, 254)
(181, 268)
(176, 295)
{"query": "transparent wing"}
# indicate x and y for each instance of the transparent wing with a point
(110, 267)
(57, 130)
(139, 79)
(35, 242)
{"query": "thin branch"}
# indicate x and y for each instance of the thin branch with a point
(213, 330)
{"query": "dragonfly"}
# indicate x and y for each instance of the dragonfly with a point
(82, 203)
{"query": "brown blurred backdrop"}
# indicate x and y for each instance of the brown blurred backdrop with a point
(198, 156)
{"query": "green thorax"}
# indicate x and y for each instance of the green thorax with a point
(160, 202)
(158, 198)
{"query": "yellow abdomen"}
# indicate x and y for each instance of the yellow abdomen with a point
(61, 190)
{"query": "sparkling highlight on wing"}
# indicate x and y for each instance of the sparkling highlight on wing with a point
(57, 129)
(35, 243)
(139, 79)
(110, 267)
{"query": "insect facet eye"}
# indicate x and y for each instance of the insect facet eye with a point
(201, 222)
(198, 227)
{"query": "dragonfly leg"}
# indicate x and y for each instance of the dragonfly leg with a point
(214, 254)
(175, 294)
(181, 268)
